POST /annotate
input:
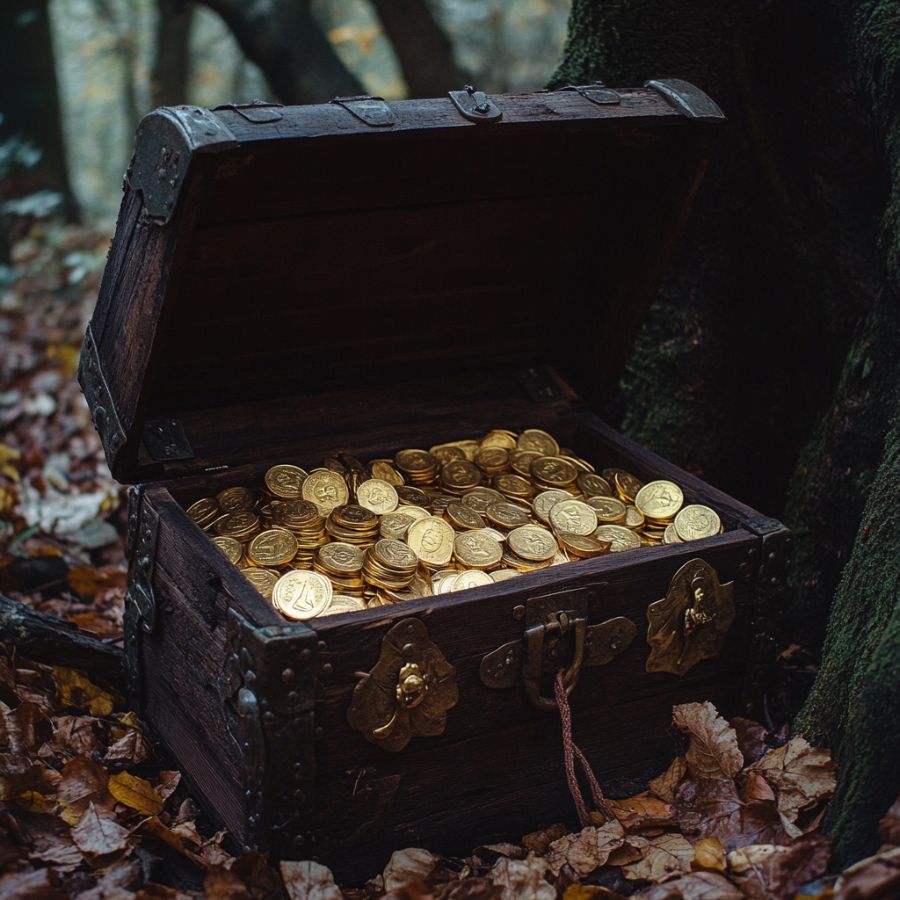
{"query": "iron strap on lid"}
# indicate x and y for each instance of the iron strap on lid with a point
(475, 106)
(374, 111)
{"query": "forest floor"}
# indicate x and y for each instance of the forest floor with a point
(91, 807)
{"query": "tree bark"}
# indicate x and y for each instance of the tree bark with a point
(423, 49)
(30, 107)
(172, 61)
(285, 41)
(769, 361)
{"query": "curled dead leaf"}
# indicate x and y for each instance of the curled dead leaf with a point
(709, 855)
(539, 841)
(136, 793)
(663, 857)
(696, 886)
(766, 871)
(308, 880)
(99, 834)
(586, 850)
(518, 878)
(712, 743)
(874, 876)
(665, 785)
(642, 811)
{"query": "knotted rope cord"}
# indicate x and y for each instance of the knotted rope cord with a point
(571, 753)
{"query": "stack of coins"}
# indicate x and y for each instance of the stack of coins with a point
(460, 515)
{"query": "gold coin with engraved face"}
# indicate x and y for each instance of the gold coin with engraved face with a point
(697, 521)
(470, 579)
(231, 548)
(301, 594)
(384, 470)
(415, 461)
(513, 486)
(532, 542)
(204, 511)
(341, 558)
(554, 471)
(610, 510)
(285, 482)
(477, 550)
(500, 438)
(377, 496)
(461, 516)
(507, 515)
(240, 525)
(274, 547)
(627, 486)
(634, 518)
(593, 485)
(263, 580)
(619, 537)
(546, 500)
(395, 554)
(480, 498)
(460, 475)
(395, 525)
(443, 453)
(326, 489)
(539, 441)
(234, 499)
(343, 603)
(584, 546)
(431, 540)
(659, 500)
(573, 516)
(670, 535)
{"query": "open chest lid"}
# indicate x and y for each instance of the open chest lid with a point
(284, 272)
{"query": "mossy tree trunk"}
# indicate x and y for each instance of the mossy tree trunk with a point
(769, 362)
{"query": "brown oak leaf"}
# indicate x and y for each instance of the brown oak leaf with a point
(802, 776)
(712, 743)
(539, 841)
(696, 886)
(586, 850)
(518, 878)
(308, 880)
(98, 834)
(663, 857)
(642, 811)
(665, 785)
(76, 734)
(82, 780)
(766, 871)
(754, 740)
(405, 865)
(874, 876)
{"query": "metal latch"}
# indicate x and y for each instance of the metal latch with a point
(475, 106)
(596, 92)
(374, 111)
(256, 111)
(166, 441)
(556, 636)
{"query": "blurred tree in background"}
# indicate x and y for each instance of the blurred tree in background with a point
(79, 74)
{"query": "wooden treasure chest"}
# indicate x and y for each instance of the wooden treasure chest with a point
(346, 356)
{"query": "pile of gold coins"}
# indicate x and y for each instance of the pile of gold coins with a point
(348, 535)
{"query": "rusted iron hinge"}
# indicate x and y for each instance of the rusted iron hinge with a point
(99, 399)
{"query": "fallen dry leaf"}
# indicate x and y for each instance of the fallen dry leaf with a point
(712, 743)
(754, 741)
(76, 689)
(696, 886)
(99, 835)
(889, 826)
(663, 857)
(766, 871)
(537, 842)
(587, 850)
(642, 811)
(33, 884)
(76, 734)
(405, 865)
(136, 793)
(709, 855)
(82, 781)
(802, 776)
(519, 878)
(220, 883)
(873, 878)
(309, 880)
(131, 748)
(665, 785)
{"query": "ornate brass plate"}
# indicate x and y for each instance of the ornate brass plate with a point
(408, 692)
(690, 623)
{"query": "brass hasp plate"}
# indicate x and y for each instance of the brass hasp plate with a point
(690, 623)
(557, 636)
(407, 693)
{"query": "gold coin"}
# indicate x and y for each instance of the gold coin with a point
(697, 521)
(498, 536)
(581, 464)
(539, 441)
(411, 496)
(471, 579)
(477, 550)
(659, 500)
(619, 537)
(480, 498)
(573, 516)
(460, 474)
(593, 485)
(532, 542)
(385, 471)
(443, 453)
(431, 540)
(670, 535)
(204, 511)
(377, 496)
(326, 489)
(546, 500)
(634, 518)
(274, 547)
(414, 512)
(395, 554)
(583, 546)
(395, 525)
(500, 438)
(492, 459)
(507, 515)
(340, 557)
(415, 461)
(460, 516)
(234, 499)
(301, 594)
(609, 510)
(499, 575)
(231, 548)
(513, 486)
(285, 482)
(627, 486)
(554, 471)
(343, 603)
(238, 524)
(262, 579)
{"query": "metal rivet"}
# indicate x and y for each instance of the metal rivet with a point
(518, 612)
(269, 716)
(305, 654)
(293, 696)
(320, 646)
(320, 732)
(327, 670)
(287, 676)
